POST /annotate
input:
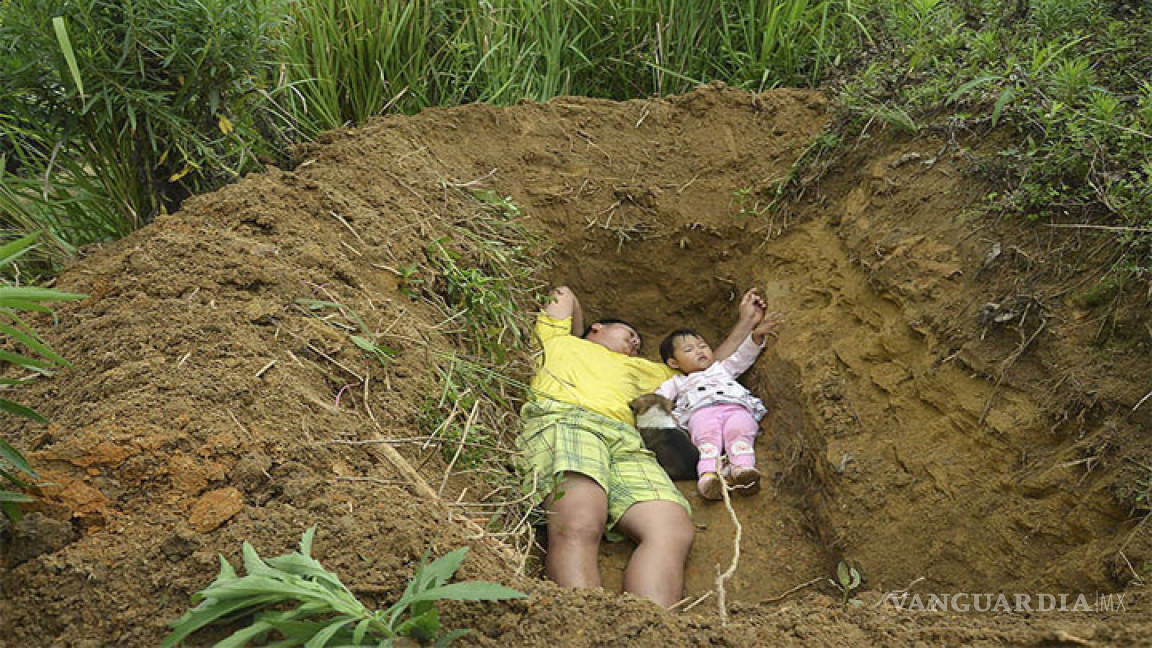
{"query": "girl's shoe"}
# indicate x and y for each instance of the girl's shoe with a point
(745, 480)
(709, 486)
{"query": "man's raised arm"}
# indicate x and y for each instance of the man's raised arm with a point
(751, 312)
(565, 305)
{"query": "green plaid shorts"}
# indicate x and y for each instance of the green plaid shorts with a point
(560, 437)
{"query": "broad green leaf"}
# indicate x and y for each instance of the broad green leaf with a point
(447, 638)
(444, 567)
(305, 567)
(208, 612)
(324, 636)
(422, 628)
(226, 573)
(20, 410)
(13, 250)
(363, 343)
(469, 591)
(300, 631)
(13, 456)
(66, 48)
(252, 585)
(306, 541)
(360, 631)
(9, 496)
(241, 637)
(34, 344)
(252, 562)
(842, 573)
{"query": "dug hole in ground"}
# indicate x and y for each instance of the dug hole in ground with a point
(943, 418)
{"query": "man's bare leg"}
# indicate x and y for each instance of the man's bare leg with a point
(663, 534)
(575, 523)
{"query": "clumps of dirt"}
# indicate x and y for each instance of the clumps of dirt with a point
(908, 433)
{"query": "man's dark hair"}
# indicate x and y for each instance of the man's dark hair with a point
(613, 320)
(668, 344)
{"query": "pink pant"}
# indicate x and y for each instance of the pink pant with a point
(730, 427)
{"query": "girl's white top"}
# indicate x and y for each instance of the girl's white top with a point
(715, 385)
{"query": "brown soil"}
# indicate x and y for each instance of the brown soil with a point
(940, 416)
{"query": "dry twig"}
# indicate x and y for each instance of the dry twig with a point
(460, 446)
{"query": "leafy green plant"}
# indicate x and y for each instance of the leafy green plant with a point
(15, 299)
(1065, 82)
(847, 580)
(1135, 488)
(116, 110)
(11, 464)
(326, 612)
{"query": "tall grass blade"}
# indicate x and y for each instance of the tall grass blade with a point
(61, 30)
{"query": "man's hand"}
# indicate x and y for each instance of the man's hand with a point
(564, 305)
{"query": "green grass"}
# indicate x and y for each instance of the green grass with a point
(114, 111)
(1065, 86)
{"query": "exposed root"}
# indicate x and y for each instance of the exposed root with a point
(700, 599)
(1137, 405)
(781, 597)
(1008, 362)
(722, 577)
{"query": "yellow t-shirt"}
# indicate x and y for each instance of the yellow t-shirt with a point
(574, 370)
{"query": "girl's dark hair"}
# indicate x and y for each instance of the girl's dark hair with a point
(668, 344)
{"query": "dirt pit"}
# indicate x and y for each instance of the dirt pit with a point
(944, 419)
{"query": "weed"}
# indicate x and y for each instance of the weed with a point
(462, 384)
(1134, 488)
(367, 340)
(485, 282)
(409, 281)
(326, 612)
(485, 276)
(847, 580)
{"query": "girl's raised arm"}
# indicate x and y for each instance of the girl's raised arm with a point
(751, 311)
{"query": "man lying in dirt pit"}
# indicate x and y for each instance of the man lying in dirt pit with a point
(591, 472)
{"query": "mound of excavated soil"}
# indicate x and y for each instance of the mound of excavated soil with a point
(941, 415)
